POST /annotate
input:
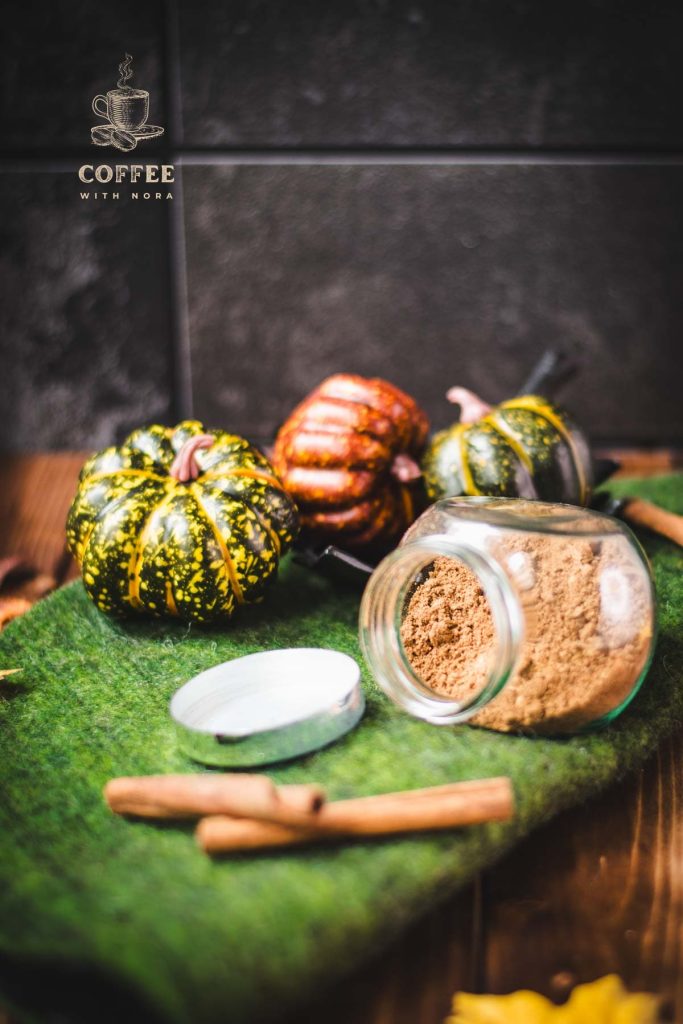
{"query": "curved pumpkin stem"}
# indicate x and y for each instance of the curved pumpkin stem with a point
(405, 469)
(472, 407)
(184, 467)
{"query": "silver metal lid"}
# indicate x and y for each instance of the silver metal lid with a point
(268, 707)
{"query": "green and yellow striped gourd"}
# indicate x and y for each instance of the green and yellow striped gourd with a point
(523, 448)
(179, 521)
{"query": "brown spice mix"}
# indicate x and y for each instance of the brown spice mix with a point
(587, 632)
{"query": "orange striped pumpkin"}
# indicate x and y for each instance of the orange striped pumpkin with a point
(347, 455)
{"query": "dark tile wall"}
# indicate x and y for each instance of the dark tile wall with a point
(431, 73)
(84, 323)
(434, 191)
(436, 275)
(58, 56)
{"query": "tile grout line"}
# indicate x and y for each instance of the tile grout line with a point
(183, 399)
(173, 80)
(181, 383)
(176, 249)
(349, 157)
(389, 157)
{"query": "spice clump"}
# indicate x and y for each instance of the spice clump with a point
(587, 631)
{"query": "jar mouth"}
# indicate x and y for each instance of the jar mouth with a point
(381, 617)
(532, 516)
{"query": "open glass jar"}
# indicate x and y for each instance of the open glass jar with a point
(521, 615)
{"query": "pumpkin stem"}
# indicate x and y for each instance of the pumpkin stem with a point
(472, 407)
(184, 467)
(405, 469)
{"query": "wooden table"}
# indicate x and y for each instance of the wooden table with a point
(599, 889)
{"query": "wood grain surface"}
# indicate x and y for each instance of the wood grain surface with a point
(35, 494)
(599, 889)
(413, 981)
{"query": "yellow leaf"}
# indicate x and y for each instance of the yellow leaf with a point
(518, 1008)
(607, 1000)
(8, 672)
(604, 1001)
(638, 1008)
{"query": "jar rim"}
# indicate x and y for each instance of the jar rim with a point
(529, 515)
(380, 621)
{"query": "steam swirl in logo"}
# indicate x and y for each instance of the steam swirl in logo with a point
(125, 71)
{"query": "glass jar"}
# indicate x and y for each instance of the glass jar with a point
(524, 616)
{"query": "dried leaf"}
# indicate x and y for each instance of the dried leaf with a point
(39, 586)
(12, 564)
(12, 608)
(604, 1001)
(4, 672)
(23, 580)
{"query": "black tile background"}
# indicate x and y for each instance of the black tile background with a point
(434, 191)
(431, 73)
(58, 56)
(435, 275)
(84, 324)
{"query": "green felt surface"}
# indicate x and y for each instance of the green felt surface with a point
(239, 940)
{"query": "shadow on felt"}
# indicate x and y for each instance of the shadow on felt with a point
(299, 595)
(77, 993)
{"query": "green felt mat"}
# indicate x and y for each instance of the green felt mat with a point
(137, 905)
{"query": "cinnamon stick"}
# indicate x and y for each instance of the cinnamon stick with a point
(441, 807)
(189, 796)
(660, 520)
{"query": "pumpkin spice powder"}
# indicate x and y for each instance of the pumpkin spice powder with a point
(587, 633)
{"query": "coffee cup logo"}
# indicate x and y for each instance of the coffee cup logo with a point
(125, 111)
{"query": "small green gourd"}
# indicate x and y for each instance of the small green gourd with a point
(526, 447)
(181, 522)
